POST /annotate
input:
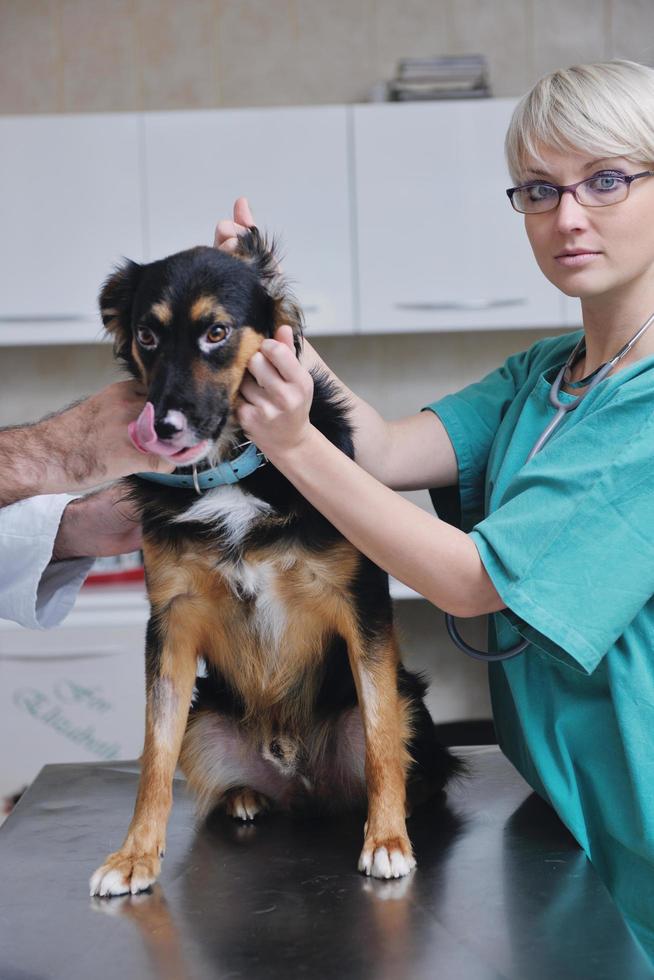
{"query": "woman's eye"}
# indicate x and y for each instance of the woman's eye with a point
(605, 182)
(216, 334)
(146, 337)
(540, 192)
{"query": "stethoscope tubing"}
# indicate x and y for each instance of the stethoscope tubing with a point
(562, 409)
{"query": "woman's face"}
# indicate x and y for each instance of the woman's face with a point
(615, 243)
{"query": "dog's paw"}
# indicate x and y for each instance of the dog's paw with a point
(390, 858)
(125, 873)
(243, 803)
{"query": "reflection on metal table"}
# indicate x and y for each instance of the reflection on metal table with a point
(501, 891)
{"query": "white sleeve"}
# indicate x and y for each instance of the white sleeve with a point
(33, 592)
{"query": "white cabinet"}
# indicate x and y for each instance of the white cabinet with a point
(292, 164)
(70, 208)
(390, 217)
(439, 246)
(75, 693)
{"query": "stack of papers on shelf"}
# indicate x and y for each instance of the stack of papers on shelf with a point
(450, 77)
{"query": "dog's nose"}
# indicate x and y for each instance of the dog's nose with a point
(172, 425)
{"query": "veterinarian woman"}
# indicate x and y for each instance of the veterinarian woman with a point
(560, 548)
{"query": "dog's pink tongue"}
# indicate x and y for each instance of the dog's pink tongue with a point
(142, 431)
(143, 435)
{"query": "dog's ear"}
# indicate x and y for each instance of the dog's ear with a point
(116, 299)
(261, 254)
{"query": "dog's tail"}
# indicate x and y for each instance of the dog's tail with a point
(432, 764)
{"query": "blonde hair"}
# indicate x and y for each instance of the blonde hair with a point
(605, 109)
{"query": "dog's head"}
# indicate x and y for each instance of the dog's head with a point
(186, 326)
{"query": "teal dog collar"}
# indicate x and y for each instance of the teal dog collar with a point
(230, 471)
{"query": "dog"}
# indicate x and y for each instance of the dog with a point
(304, 702)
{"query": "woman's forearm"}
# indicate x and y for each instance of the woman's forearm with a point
(438, 561)
(371, 432)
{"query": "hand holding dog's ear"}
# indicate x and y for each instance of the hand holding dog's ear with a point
(276, 396)
(227, 232)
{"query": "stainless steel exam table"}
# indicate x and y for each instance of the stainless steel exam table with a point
(501, 891)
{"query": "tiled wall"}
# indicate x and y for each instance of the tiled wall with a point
(91, 55)
(96, 55)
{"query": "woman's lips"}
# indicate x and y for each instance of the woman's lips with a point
(581, 258)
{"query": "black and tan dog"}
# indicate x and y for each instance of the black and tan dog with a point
(304, 700)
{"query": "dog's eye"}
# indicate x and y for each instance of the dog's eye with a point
(146, 338)
(217, 334)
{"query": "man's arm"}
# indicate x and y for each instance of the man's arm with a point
(81, 447)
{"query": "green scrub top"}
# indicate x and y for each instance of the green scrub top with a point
(568, 542)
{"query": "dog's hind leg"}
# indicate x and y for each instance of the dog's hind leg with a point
(171, 657)
(224, 767)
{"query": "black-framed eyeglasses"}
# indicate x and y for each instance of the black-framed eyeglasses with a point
(597, 191)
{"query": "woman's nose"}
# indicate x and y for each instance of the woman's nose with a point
(570, 214)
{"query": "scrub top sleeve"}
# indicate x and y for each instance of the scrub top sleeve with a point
(471, 418)
(34, 592)
(570, 547)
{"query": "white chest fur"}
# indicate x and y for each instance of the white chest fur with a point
(237, 512)
(257, 582)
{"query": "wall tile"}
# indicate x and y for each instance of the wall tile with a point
(334, 50)
(35, 381)
(566, 33)
(30, 79)
(257, 52)
(413, 29)
(98, 55)
(177, 53)
(501, 30)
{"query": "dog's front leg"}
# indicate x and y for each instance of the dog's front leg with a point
(387, 849)
(171, 657)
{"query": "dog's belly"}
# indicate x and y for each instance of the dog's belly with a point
(218, 755)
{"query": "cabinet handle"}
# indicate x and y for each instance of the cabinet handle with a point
(471, 304)
(46, 318)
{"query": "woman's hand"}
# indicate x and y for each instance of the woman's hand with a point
(227, 232)
(276, 396)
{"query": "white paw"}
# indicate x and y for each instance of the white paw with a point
(386, 862)
(244, 804)
(125, 875)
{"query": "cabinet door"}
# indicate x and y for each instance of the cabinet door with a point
(69, 211)
(292, 166)
(439, 245)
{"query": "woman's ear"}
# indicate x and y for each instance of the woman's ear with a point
(116, 300)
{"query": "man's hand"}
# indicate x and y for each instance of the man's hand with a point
(81, 447)
(100, 524)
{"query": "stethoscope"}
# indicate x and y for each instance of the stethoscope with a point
(562, 408)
